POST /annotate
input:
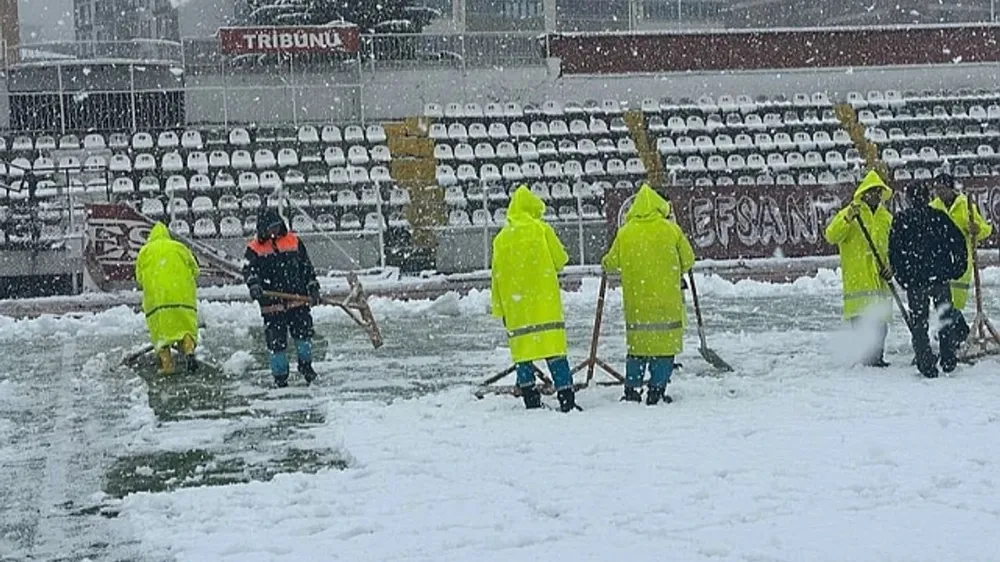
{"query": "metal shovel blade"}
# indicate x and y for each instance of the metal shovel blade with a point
(713, 359)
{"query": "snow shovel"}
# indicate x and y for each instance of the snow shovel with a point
(982, 333)
(709, 355)
(355, 304)
(881, 266)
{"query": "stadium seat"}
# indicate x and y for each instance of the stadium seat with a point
(458, 217)
(350, 221)
(177, 206)
(176, 183)
(269, 179)
(152, 208)
(374, 222)
(248, 181)
(224, 180)
(239, 137)
(202, 205)
(358, 175)
(287, 158)
(191, 140)
(94, 141)
(230, 227)
(122, 186)
(172, 163)
(118, 141)
(302, 223)
(433, 111)
(241, 160)
(142, 141)
(149, 184)
(477, 131)
(205, 228)
(228, 202)
(264, 159)
(399, 197)
(354, 134)
(331, 134)
(445, 175)
(168, 139)
(375, 134)
(357, 155)
(498, 131)
(454, 197)
(69, 164)
(347, 198)
(197, 161)
(380, 153)
(144, 163)
(380, 174)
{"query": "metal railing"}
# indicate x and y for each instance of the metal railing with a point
(134, 50)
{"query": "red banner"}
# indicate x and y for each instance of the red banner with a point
(114, 236)
(742, 222)
(312, 39)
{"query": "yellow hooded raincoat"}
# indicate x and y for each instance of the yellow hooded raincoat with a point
(167, 272)
(652, 254)
(863, 286)
(959, 213)
(527, 256)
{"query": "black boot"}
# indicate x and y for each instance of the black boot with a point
(531, 396)
(307, 372)
(656, 394)
(190, 363)
(567, 400)
(281, 382)
(632, 395)
(927, 365)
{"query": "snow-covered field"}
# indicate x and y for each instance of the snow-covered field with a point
(798, 455)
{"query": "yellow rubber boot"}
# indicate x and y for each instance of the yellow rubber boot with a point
(187, 347)
(166, 361)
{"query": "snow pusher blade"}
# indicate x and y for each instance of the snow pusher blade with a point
(355, 305)
(709, 355)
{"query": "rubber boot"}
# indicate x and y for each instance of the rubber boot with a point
(655, 395)
(187, 346)
(279, 368)
(567, 400)
(632, 395)
(166, 361)
(531, 396)
(303, 352)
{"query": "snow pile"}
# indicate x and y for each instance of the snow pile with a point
(781, 464)
(238, 363)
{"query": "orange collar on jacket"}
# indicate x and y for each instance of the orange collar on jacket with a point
(287, 243)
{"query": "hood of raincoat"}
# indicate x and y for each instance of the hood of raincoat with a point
(268, 218)
(525, 205)
(648, 204)
(872, 181)
(158, 232)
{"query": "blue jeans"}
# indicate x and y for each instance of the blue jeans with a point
(558, 367)
(660, 369)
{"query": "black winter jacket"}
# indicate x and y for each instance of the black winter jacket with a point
(281, 265)
(926, 248)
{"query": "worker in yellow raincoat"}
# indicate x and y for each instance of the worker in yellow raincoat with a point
(957, 206)
(527, 256)
(652, 254)
(865, 286)
(167, 272)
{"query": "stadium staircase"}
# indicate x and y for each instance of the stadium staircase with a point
(636, 122)
(413, 168)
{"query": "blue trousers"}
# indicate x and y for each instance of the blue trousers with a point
(558, 367)
(660, 369)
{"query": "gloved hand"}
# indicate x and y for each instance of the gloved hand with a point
(887, 272)
(314, 298)
(852, 212)
(256, 292)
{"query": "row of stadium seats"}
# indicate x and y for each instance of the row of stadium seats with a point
(198, 161)
(191, 139)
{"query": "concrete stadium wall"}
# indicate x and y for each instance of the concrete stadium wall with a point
(462, 250)
(387, 95)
